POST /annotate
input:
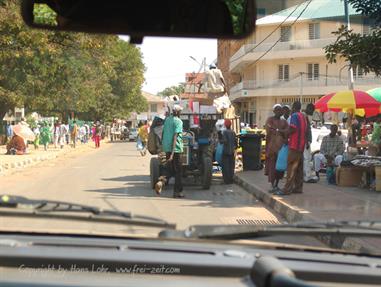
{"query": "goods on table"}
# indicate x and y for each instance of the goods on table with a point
(366, 161)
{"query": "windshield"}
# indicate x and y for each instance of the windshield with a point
(280, 127)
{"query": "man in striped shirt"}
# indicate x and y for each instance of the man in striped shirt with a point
(296, 143)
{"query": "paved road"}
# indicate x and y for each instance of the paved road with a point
(117, 177)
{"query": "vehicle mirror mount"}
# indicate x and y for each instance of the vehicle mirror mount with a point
(169, 18)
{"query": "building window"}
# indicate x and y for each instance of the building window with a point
(285, 33)
(153, 108)
(314, 31)
(358, 72)
(283, 72)
(313, 72)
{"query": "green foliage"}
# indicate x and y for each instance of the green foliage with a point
(97, 76)
(173, 90)
(31, 122)
(237, 11)
(369, 8)
(360, 50)
(44, 15)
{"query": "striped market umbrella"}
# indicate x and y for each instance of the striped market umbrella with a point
(375, 93)
(360, 102)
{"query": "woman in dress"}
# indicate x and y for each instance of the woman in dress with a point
(45, 135)
(276, 136)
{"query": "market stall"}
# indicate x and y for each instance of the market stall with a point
(354, 103)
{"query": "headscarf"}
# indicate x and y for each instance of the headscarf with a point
(227, 123)
(277, 106)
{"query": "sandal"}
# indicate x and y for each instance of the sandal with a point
(280, 193)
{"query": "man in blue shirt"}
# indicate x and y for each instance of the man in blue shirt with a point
(172, 144)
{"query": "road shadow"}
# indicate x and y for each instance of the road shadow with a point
(129, 178)
(138, 187)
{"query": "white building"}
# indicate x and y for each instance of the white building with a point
(156, 107)
(284, 59)
(14, 115)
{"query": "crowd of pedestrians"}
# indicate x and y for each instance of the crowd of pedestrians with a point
(57, 134)
(291, 134)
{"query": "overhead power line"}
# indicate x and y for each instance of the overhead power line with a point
(272, 46)
(268, 36)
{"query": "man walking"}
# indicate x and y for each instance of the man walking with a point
(296, 144)
(74, 134)
(97, 134)
(56, 134)
(309, 175)
(228, 155)
(172, 143)
(63, 134)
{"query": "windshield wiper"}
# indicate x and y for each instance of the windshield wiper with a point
(230, 232)
(14, 205)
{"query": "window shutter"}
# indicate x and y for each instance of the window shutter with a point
(317, 30)
(314, 31)
(285, 33)
(311, 31)
(309, 71)
(280, 72)
(286, 72)
(316, 71)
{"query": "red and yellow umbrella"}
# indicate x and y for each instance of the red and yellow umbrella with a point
(358, 101)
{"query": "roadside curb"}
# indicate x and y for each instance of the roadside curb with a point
(8, 167)
(293, 214)
(290, 213)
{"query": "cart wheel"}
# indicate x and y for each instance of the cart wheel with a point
(154, 171)
(206, 176)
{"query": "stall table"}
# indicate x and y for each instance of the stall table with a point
(372, 166)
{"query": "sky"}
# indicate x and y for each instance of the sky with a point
(168, 59)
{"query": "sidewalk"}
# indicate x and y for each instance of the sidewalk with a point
(320, 202)
(11, 163)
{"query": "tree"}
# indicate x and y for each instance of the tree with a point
(61, 72)
(173, 90)
(360, 50)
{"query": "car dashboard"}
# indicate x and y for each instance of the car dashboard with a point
(27, 260)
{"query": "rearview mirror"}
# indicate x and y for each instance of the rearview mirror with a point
(170, 18)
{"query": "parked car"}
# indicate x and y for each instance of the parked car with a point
(133, 135)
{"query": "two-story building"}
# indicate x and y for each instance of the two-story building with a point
(227, 48)
(156, 107)
(284, 59)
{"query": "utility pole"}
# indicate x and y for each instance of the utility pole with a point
(350, 70)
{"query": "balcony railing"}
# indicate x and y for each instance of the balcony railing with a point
(281, 46)
(296, 82)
